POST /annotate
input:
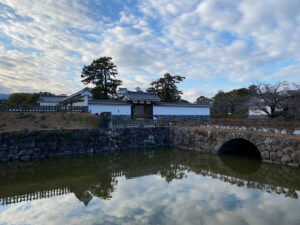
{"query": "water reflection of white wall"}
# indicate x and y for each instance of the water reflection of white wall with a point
(149, 199)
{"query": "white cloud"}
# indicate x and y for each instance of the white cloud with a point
(47, 42)
(150, 199)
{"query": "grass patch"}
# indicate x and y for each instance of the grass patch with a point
(18, 121)
(26, 116)
(43, 117)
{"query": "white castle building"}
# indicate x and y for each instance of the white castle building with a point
(133, 105)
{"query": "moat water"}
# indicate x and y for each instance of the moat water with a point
(163, 186)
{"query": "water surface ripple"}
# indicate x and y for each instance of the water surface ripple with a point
(162, 186)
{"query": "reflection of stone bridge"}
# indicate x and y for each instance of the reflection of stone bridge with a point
(97, 176)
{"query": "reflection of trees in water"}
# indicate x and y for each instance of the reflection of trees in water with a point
(88, 177)
(104, 189)
(173, 172)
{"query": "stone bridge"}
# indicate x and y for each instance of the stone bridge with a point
(275, 148)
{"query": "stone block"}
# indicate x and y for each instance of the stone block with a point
(285, 159)
(273, 156)
(293, 164)
(268, 147)
(287, 150)
(276, 148)
(296, 156)
(265, 155)
(279, 153)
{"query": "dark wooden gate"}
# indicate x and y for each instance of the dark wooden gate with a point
(141, 111)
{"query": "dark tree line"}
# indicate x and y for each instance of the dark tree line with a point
(279, 99)
(25, 98)
(273, 100)
(232, 102)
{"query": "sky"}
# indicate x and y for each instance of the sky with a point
(215, 44)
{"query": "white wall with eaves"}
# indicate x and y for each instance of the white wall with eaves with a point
(180, 110)
(114, 109)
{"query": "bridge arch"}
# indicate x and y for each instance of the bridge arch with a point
(239, 146)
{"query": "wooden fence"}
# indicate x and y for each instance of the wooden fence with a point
(38, 108)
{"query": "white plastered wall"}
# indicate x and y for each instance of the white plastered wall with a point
(176, 110)
(114, 109)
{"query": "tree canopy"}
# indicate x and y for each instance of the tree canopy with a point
(166, 87)
(272, 99)
(25, 98)
(203, 100)
(101, 74)
(233, 102)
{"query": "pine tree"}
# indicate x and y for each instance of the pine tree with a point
(101, 73)
(166, 88)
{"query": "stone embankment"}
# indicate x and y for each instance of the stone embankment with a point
(275, 148)
(45, 144)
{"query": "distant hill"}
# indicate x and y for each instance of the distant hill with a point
(4, 96)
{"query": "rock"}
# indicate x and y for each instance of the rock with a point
(273, 156)
(294, 164)
(279, 153)
(285, 159)
(268, 147)
(276, 148)
(296, 156)
(265, 155)
(287, 150)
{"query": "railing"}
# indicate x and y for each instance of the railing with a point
(38, 108)
(34, 196)
(139, 123)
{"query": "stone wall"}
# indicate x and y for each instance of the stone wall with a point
(44, 144)
(273, 148)
(121, 117)
(281, 149)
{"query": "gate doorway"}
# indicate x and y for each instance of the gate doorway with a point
(142, 111)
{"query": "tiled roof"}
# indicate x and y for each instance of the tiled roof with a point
(48, 98)
(142, 96)
(182, 104)
(76, 94)
(107, 102)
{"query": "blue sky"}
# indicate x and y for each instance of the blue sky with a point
(215, 44)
